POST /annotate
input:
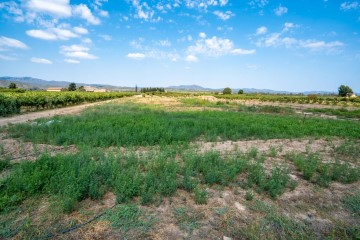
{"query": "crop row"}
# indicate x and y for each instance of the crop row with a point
(291, 99)
(12, 103)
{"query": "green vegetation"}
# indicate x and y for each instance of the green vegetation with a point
(188, 219)
(352, 202)
(14, 102)
(200, 195)
(302, 99)
(12, 86)
(152, 90)
(336, 112)
(345, 91)
(349, 149)
(4, 164)
(133, 125)
(274, 225)
(321, 173)
(130, 220)
(72, 87)
(150, 160)
(227, 91)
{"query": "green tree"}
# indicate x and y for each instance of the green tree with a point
(72, 87)
(12, 86)
(81, 89)
(241, 91)
(345, 91)
(227, 90)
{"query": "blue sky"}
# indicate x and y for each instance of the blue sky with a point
(282, 45)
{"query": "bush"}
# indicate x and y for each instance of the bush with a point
(200, 195)
(345, 91)
(241, 91)
(227, 91)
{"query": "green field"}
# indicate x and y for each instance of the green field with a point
(155, 167)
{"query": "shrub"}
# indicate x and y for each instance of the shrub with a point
(200, 195)
(227, 91)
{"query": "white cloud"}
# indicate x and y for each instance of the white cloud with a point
(288, 26)
(191, 58)
(239, 51)
(7, 58)
(77, 51)
(41, 34)
(346, 6)
(215, 47)
(136, 56)
(164, 43)
(261, 30)
(315, 45)
(105, 37)
(62, 32)
(80, 30)
(201, 35)
(71, 61)
(103, 13)
(13, 9)
(205, 4)
(40, 60)
(281, 40)
(58, 8)
(84, 12)
(258, 3)
(144, 11)
(280, 10)
(224, 15)
(11, 43)
(56, 33)
(87, 40)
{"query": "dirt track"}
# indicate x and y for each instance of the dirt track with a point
(27, 117)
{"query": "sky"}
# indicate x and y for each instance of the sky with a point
(266, 44)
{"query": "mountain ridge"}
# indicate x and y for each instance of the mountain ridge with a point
(37, 83)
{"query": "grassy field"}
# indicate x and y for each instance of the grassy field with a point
(181, 168)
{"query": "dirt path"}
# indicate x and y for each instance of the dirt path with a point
(28, 117)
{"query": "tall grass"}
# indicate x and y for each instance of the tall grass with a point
(315, 170)
(134, 125)
(149, 177)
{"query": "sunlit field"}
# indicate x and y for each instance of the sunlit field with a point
(183, 166)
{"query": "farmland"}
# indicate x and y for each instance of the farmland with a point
(17, 101)
(175, 166)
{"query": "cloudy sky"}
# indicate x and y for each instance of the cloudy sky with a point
(282, 45)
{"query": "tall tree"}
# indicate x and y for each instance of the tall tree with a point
(72, 87)
(345, 91)
(12, 86)
(227, 90)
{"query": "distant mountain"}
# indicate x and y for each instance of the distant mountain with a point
(36, 83)
(235, 90)
(190, 88)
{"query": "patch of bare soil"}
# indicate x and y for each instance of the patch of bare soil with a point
(17, 151)
(280, 146)
(156, 100)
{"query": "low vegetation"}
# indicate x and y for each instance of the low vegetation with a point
(14, 102)
(134, 125)
(201, 170)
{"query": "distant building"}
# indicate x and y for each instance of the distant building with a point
(100, 90)
(94, 89)
(89, 89)
(54, 89)
(353, 95)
